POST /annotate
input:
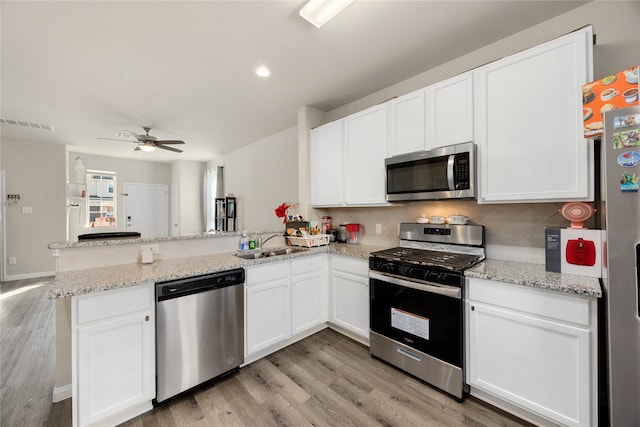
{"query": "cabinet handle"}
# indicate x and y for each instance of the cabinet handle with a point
(146, 318)
(473, 307)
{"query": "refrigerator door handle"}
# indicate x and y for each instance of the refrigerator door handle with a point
(638, 278)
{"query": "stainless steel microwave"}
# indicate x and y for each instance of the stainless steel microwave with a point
(442, 173)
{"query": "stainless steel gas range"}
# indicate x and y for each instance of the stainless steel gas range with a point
(416, 301)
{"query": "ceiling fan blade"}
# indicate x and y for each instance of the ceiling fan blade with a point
(121, 140)
(135, 135)
(170, 141)
(175, 150)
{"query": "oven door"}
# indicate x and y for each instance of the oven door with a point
(425, 317)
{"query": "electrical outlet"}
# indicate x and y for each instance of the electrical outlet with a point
(378, 228)
(12, 260)
(27, 209)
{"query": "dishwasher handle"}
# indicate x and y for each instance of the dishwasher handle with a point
(196, 284)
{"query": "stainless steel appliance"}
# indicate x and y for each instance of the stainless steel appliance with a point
(620, 148)
(199, 330)
(341, 233)
(416, 301)
(442, 173)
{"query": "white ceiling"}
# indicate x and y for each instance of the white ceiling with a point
(186, 69)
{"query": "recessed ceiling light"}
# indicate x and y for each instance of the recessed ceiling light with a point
(263, 71)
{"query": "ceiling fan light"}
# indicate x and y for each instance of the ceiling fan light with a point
(319, 12)
(147, 147)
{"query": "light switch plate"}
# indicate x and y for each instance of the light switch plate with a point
(27, 209)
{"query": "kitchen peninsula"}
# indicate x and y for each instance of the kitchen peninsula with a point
(338, 272)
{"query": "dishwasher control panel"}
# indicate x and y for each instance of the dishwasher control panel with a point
(202, 283)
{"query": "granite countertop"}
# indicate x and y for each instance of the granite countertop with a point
(121, 241)
(78, 282)
(535, 276)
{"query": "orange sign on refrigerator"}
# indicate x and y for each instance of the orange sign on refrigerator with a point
(615, 91)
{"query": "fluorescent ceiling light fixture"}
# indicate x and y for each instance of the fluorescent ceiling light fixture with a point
(263, 71)
(147, 147)
(319, 12)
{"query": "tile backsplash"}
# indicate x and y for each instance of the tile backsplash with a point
(521, 224)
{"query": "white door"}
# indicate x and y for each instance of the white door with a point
(145, 209)
(175, 211)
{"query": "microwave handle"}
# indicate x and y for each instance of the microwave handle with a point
(450, 175)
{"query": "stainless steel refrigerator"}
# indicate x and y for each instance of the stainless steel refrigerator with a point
(620, 210)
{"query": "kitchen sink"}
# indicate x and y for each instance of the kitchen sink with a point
(266, 253)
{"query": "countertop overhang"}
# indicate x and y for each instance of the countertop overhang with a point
(77, 282)
(535, 276)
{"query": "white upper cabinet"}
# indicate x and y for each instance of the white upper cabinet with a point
(450, 111)
(407, 123)
(347, 160)
(433, 117)
(529, 124)
(365, 148)
(325, 165)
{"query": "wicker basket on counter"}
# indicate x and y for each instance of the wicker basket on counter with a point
(309, 241)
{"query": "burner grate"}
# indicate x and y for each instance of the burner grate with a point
(448, 260)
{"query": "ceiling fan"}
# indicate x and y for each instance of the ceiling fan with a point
(147, 142)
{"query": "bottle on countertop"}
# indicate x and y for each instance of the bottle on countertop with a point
(244, 241)
(252, 242)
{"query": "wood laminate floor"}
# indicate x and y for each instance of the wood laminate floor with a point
(324, 380)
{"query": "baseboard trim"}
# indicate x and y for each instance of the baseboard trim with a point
(61, 393)
(11, 277)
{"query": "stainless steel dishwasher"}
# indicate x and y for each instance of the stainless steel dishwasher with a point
(199, 330)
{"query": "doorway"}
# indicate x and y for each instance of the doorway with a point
(146, 209)
(2, 228)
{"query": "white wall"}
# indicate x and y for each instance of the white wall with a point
(261, 176)
(615, 23)
(187, 176)
(36, 172)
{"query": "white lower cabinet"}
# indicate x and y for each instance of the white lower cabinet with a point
(113, 355)
(282, 300)
(350, 295)
(267, 306)
(309, 296)
(533, 350)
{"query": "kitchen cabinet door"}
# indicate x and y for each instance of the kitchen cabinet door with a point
(365, 148)
(267, 307)
(113, 355)
(308, 293)
(536, 362)
(407, 123)
(325, 165)
(350, 295)
(450, 111)
(529, 124)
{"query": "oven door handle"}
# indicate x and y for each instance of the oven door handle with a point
(448, 291)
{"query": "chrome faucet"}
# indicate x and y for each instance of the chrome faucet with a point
(262, 242)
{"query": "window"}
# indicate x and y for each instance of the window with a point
(101, 199)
